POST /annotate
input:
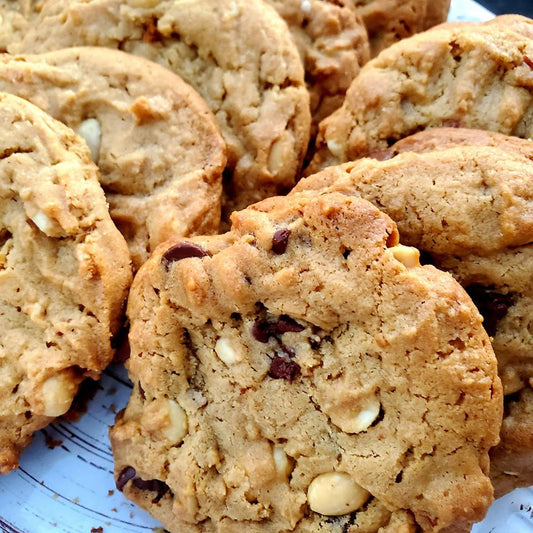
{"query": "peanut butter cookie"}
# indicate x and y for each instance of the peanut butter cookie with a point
(238, 54)
(64, 273)
(388, 21)
(155, 141)
(472, 75)
(464, 197)
(304, 372)
(333, 45)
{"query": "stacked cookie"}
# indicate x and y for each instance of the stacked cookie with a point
(302, 371)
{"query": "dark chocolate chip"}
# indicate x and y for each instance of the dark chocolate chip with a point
(528, 62)
(124, 476)
(492, 305)
(281, 368)
(152, 485)
(280, 240)
(183, 250)
(285, 323)
(262, 331)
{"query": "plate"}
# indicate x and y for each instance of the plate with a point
(65, 480)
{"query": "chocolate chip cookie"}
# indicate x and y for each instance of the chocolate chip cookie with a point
(303, 372)
(473, 75)
(156, 143)
(465, 199)
(238, 54)
(333, 44)
(64, 273)
(388, 21)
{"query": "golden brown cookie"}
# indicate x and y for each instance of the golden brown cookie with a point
(238, 54)
(333, 45)
(155, 141)
(465, 198)
(304, 373)
(64, 273)
(471, 75)
(388, 21)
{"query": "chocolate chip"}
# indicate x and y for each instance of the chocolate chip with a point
(182, 250)
(281, 368)
(280, 240)
(528, 62)
(263, 330)
(152, 485)
(124, 476)
(492, 305)
(285, 323)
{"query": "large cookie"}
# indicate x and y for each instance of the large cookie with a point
(238, 54)
(64, 273)
(304, 373)
(156, 143)
(333, 45)
(472, 75)
(388, 21)
(465, 198)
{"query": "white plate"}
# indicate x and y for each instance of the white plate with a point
(65, 480)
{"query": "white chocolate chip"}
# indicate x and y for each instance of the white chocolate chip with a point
(90, 130)
(226, 352)
(57, 393)
(282, 461)
(43, 222)
(407, 255)
(366, 416)
(177, 428)
(335, 148)
(305, 6)
(335, 494)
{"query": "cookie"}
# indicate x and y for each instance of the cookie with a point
(333, 45)
(156, 143)
(303, 372)
(64, 273)
(464, 198)
(238, 54)
(388, 21)
(12, 23)
(471, 75)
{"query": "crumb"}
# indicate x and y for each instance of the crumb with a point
(110, 492)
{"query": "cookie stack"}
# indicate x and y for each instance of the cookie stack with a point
(307, 354)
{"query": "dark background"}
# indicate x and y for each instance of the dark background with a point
(524, 7)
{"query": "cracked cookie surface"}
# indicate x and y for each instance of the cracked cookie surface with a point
(144, 126)
(465, 198)
(333, 45)
(388, 21)
(64, 273)
(303, 372)
(238, 54)
(472, 75)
